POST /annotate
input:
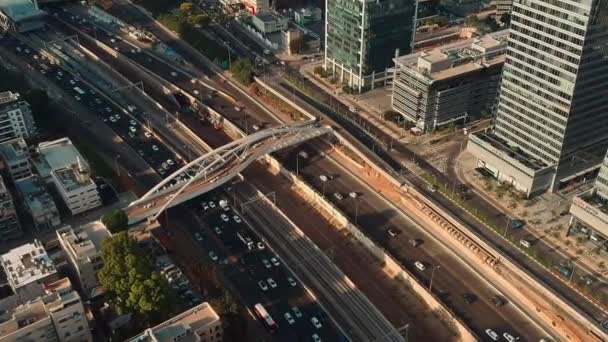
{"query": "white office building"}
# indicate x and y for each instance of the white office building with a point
(82, 246)
(16, 158)
(59, 163)
(16, 118)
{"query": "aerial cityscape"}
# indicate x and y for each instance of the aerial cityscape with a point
(303, 170)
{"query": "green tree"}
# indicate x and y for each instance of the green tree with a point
(471, 20)
(130, 282)
(186, 8)
(242, 69)
(116, 220)
(505, 18)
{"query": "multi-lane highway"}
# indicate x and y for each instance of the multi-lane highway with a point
(481, 317)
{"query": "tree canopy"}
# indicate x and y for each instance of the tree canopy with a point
(130, 281)
(243, 70)
(116, 220)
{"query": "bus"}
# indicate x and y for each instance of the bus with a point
(246, 239)
(79, 91)
(263, 315)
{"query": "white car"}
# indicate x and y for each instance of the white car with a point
(353, 194)
(205, 206)
(291, 281)
(155, 148)
(289, 318)
(173, 73)
(509, 337)
(352, 109)
(275, 261)
(263, 285)
(213, 256)
(116, 116)
(420, 265)
(132, 122)
(323, 178)
(316, 338)
(112, 119)
(315, 321)
(296, 311)
(196, 92)
(338, 196)
(198, 237)
(113, 40)
(170, 162)
(237, 219)
(217, 230)
(492, 334)
(132, 129)
(266, 263)
(261, 246)
(224, 217)
(211, 204)
(272, 283)
(148, 135)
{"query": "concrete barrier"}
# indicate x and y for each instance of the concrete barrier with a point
(393, 268)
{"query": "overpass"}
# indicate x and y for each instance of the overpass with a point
(216, 167)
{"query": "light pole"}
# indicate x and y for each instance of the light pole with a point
(507, 226)
(116, 163)
(432, 276)
(303, 155)
(572, 272)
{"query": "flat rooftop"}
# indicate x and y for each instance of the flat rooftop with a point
(72, 178)
(34, 193)
(26, 264)
(84, 241)
(457, 58)
(20, 9)
(194, 319)
(269, 17)
(14, 149)
(8, 96)
(57, 154)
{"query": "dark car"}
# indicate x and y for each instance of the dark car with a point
(517, 224)
(469, 298)
(498, 301)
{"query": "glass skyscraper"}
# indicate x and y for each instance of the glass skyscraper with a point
(361, 37)
(553, 104)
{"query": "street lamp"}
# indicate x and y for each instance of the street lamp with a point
(324, 180)
(116, 163)
(303, 155)
(433, 275)
(507, 226)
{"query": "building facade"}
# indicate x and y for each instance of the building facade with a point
(27, 268)
(553, 100)
(16, 158)
(10, 227)
(38, 203)
(269, 23)
(199, 324)
(82, 246)
(362, 36)
(58, 315)
(16, 118)
(59, 163)
(256, 6)
(454, 82)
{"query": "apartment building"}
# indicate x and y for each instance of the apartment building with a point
(16, 158)
(454, 82)
(58, 315)
(59, 163)
(27, 268)
(10, 227)
(550, 126)
(82, 246)
(38, 203)
(16, 118)
(199, 324)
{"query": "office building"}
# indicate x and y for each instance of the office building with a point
(27, 268)
(59, 163)
(10, 227)
(21, 15)
(16, 118)
(362, 37)
(199, 324)
(502, 7)
(58, 315)
(454, 82)
(550, 126)
(589, 209)
(38, 203)
(256, 6)
(82, 246)
(269, 22)
(16, 158)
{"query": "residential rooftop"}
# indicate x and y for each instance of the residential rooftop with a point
(26, 264)
(34, 194)
(457, 58)
(183, 326)
(8, 96)
(84, 241)
(14, 149)
(57, 154)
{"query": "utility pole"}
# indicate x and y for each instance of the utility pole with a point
(432, 276)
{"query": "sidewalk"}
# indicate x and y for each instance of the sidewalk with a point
(541, 215)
